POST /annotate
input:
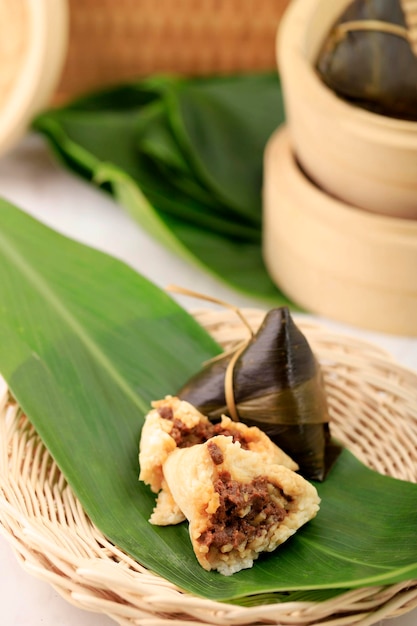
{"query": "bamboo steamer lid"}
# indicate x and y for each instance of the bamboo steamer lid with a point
(33, 41)
(334, 259)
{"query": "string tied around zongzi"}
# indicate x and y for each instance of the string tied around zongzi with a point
(235, 352)
(341, 30)
(276, 384)
(369, 57)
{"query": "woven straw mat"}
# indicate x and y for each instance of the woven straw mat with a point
(373, 408)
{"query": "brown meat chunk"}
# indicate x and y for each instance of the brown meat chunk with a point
(245, 512)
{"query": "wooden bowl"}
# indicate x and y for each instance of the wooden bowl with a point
(332, 258)
(368, 160)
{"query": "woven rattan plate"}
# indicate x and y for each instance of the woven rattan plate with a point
(373, 407)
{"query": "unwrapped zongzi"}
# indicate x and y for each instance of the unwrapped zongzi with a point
(238, 505)
(173, 423)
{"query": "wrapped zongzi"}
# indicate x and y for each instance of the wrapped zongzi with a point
(368, 59)
(276, 385)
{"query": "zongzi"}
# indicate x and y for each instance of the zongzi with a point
(276, 385)
(237, 504)
(368, 60)
(172, 424)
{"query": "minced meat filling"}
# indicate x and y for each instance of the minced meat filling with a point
(166, 412)
(215, 452)
(246, 511)
(185, 437)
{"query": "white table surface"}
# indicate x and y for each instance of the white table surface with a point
(31, 179)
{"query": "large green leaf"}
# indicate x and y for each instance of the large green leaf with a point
(85, 344)
(185, 158)
(223, 126)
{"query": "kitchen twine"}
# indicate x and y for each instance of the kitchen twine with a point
(229, 392)
(373, 411)
(408, 32)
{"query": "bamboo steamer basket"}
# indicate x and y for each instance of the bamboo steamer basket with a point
(54, 50)
(332, 258)
(368, 160)
(33, 40)
(56, 541)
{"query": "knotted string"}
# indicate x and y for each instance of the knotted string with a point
(375, 25)
(237, 351)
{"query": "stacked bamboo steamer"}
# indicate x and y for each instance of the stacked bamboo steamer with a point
(340, 192)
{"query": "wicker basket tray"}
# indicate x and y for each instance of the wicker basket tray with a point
(115, 41)
(373, 407)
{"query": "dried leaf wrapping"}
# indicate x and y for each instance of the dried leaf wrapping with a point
(368, 65)
(277, 386)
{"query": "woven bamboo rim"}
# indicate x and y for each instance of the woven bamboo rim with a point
(33, 38)
(373, 408)
(13, 49)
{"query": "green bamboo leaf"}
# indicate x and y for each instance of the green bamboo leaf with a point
(87, 141)
(223, 126)
(236, 260)
(157, 141)
(168, 138)
(244, 259)
(85, 344)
